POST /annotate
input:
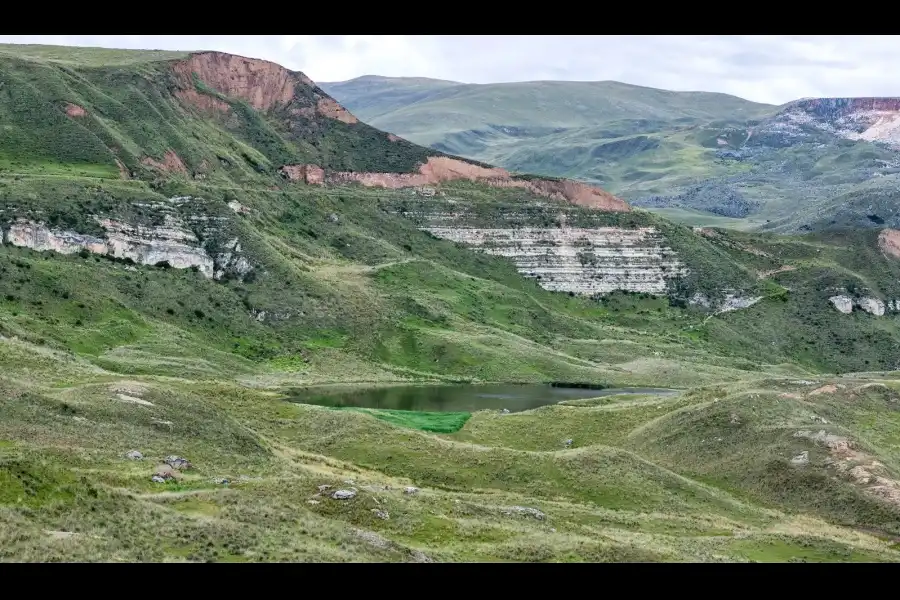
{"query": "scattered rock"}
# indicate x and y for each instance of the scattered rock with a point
(312, 501)
(873, 306)
(504, 411)
(343, 494)
(844, 304)
(221, 481)
(323, 487)
(410, 490)
(801, 459)
(134, 455)
(420, 557)
(238, 208)
(133, 400)
(373, 539)
(333, 218)
(177, 462)
(525, 510)
(164, 472)
(833, 442)
(381, 514)
(735, 420)
(825, 389)
(158, 479)
(568, 443)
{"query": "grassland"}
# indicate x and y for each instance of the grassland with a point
(100, 357)
(693, 157)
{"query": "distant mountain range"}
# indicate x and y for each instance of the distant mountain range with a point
(699, 157)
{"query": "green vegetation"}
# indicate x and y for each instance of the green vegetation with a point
(343, 289)
(437, 422)
(698, 158)
(631, 140)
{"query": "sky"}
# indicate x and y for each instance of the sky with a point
(771, 69)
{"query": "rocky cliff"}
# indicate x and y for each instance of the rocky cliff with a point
(441, 169)
(173, 243)
(870, 119)
(577, 260)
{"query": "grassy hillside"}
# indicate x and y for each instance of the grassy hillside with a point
(690, 156)
(630, 139)
(101, 356)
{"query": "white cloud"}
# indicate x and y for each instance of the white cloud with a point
(772, 69)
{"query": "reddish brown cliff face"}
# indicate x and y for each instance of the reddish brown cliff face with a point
(440, 169)
(263, 85)
(171, 163)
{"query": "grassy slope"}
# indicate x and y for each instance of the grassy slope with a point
(357, 295)
(640, 142)
(633, 140)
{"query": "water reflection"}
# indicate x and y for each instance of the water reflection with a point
(459, 398)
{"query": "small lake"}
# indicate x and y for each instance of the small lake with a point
(460, 398)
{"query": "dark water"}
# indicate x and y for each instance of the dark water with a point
(460, 398)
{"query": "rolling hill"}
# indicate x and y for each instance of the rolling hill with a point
(700, 158)
(189, 237)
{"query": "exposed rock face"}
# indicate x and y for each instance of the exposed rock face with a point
(170, 243)
(328, 107)
(259, 83)
(238, 208)
(308, 174)
(889, 242)
(38, 237)
(871, 119)
(729, 303)
(263, 85)
(843, 303)
(438, 169)
(153, 245)
(171, 163)
(871, 305)
(73, 110)
(582, 261)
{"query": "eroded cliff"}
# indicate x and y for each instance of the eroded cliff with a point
(174, 242)
(263, 85)
(441, 169)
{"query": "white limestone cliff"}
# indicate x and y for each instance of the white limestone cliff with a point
(581, 261)
(145, 245)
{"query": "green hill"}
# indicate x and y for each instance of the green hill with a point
(633, 140)
(696, 157)
(188, 238)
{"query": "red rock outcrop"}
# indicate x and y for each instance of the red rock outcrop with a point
(73, 110)
(889, 242)
(440, 169)
(309, 174)
(328, 107)
(262, 84)
(171, 163)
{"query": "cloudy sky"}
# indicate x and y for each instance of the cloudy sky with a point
(773, 69)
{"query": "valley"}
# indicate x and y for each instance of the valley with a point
(191, 238)
(699, 158)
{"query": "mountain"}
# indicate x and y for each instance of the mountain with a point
(815, 164)
(192, 241)
(627, 138)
